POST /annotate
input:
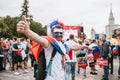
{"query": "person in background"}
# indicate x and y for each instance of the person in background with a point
(70, 66)
(91, 62)
(1, 55)
(104, 55)
(5, 49)
(10, 54)
(24, 54)
(17, 58)
(112, 45)
(117, 44)
(82, 59)
(96, 54)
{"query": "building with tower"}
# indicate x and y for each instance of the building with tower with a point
(111, 26)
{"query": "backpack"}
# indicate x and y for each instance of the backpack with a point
(42, 69)
(18, 53)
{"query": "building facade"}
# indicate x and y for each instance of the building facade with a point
(109, 29)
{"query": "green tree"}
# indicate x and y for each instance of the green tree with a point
(11, 22)
(37, 27)
(25, 8)
(3, 29)
(8, 27)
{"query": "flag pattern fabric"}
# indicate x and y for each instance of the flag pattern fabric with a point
(70, 54)
(102, 63)
(37, 48)
(96, 51)
(115, 50)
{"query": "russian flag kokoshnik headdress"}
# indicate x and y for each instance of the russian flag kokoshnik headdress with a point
(56, 23)
(56, 32)
(37, 48)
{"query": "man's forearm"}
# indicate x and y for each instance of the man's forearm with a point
(35, 37)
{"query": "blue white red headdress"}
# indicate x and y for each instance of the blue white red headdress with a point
(56, 23)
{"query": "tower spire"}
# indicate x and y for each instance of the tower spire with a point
(111, 17)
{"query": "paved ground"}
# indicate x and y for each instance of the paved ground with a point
(8, 75)
(111, 77)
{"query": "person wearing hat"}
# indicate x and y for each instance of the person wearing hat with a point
(48, 44)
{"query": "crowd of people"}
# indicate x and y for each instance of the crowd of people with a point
(55, 59)
(15, 52)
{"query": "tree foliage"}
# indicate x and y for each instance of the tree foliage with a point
(37, 27)
(3, 29)
(8, 27)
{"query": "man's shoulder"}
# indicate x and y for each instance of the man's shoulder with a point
(16, 44)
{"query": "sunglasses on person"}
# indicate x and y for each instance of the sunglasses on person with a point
(57, 32)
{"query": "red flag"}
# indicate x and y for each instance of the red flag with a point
(70, 54)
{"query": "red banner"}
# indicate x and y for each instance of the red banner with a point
(102, 62)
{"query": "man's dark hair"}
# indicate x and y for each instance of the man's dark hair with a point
(14, 38)
(104, 35)
(113, 36)
(118, 35)
(93, 41)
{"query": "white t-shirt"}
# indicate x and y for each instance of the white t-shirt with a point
(71, 43)
(23, 46)
(57, 72)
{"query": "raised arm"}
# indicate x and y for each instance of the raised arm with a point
(23, 27)
(79, 47)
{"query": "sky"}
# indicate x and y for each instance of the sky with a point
(88, 13)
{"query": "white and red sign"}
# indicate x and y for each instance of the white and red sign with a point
(75, 30)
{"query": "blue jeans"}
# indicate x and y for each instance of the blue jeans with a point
(106, 72)
(70, 68)
(84, 72)
(119, 67)
(119, 59)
